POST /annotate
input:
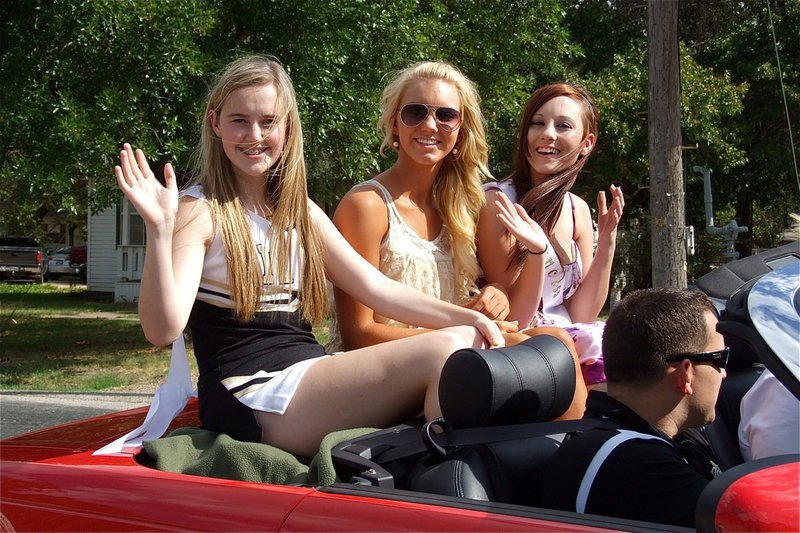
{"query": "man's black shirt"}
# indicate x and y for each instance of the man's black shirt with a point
(647, 476)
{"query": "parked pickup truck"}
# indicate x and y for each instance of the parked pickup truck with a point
(21, 258)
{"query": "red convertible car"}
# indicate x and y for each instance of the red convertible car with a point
(478, 472)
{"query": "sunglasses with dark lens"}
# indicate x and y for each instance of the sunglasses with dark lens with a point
(413, 114)
(719, 358)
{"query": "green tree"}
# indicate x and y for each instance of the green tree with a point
(762, 191)
(717, 115)
(81, 77)
(339, 53)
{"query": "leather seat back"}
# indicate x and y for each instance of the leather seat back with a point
(723, 432)
(533, 381)
(506, 472)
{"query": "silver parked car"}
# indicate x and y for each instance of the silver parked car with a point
(67, 261)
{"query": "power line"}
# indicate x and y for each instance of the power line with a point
(783, 92)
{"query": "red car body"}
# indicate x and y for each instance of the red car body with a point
(51, 481)
(746, 506)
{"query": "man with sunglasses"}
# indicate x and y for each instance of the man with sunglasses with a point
(665, 363)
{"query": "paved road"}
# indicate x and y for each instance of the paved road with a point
(24, 411)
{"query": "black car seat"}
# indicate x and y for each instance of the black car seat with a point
(742, 372)
(723, 281)
(533, 381)
(732, 283)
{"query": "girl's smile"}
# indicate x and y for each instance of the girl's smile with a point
(555, 136)
(251, 131)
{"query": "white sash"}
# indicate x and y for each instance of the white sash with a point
(168, 402)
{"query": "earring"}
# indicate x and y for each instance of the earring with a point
(455, 151)
(395, 145)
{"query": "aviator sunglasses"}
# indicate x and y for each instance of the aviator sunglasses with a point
(719, 358)
(413, 114)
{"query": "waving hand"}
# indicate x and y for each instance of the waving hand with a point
(608, 217)
(520, 225)
(157, 205)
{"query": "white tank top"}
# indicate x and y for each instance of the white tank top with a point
(560, 281)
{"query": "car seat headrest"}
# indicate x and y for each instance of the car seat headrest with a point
(533, 381)
(737, 328)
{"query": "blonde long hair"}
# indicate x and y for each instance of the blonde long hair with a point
(286, 195)
(457, 192)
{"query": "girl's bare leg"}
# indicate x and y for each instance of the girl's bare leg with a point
(578, 405)
(377, 386)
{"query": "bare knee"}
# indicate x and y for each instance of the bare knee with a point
(515, 338)
(559, 333)
(459, 337)
(450, 340)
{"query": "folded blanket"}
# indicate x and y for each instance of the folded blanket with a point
(201, 452)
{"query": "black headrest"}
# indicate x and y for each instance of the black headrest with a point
(738, 330)
(533, 381)
(726, 279)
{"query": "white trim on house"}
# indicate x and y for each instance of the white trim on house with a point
(101, 230)
(114, 263)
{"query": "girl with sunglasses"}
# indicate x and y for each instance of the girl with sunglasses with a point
(417, 221)
(241, 257)
(537, 239)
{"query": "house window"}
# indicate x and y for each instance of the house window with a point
(130, 226)
(136, 229)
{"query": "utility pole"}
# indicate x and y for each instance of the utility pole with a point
(667, 210)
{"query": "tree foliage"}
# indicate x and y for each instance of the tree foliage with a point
(742, 45)
(731, 109)
(78, 80)
(80, 77)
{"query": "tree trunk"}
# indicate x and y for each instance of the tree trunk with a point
(664, 134)
(744, 217)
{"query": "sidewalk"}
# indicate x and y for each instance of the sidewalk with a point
(99, 400)
(25, 411)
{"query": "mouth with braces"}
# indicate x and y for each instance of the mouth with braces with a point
(254, 150)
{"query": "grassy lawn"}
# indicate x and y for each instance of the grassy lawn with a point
(56, 338)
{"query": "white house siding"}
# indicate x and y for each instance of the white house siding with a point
(102, 253)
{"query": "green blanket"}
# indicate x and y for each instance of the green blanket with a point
(200, 452)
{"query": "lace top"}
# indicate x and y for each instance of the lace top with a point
(409, 259)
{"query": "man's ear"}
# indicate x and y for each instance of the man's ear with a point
(684, 377)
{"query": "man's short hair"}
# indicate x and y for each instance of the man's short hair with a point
(649, 325)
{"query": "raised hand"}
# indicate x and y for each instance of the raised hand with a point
(608, 217)
(156, 204)
(520, 225)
